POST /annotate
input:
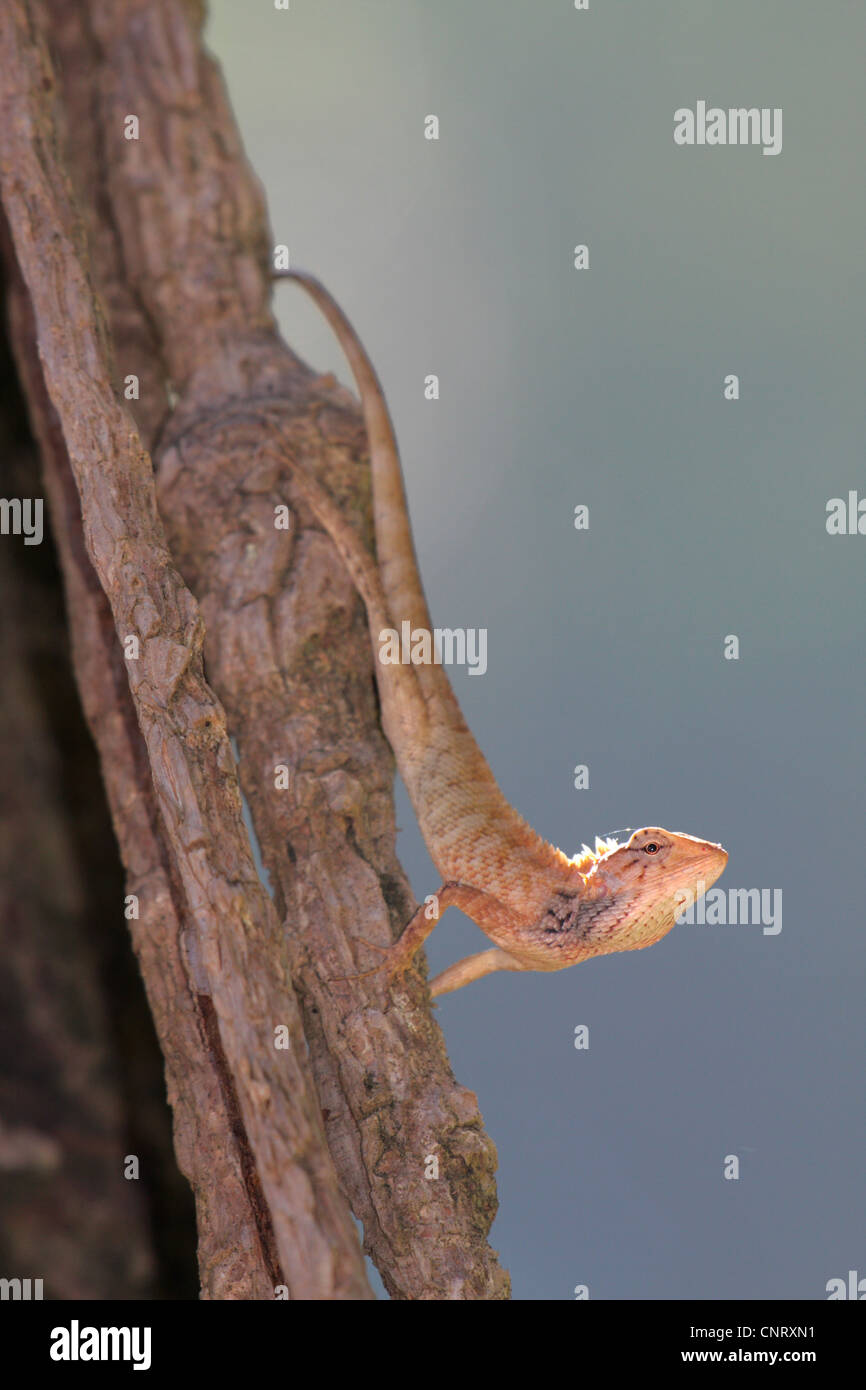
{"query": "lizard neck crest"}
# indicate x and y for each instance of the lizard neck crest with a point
(586, 858)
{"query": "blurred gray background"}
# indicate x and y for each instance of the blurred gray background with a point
(604, 387)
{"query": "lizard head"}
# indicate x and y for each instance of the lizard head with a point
(651, 878)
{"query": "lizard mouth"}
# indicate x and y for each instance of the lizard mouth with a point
(714, 860)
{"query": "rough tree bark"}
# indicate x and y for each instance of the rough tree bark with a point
(81, 1078)
(179, 255)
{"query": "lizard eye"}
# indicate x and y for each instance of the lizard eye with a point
(651, 848)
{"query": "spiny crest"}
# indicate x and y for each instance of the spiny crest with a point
(586, 857)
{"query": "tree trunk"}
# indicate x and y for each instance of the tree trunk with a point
(142, 255)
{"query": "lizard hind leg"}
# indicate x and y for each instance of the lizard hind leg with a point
(463, 972)
(399, 690)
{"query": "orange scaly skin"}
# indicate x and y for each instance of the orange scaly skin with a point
(542, 909)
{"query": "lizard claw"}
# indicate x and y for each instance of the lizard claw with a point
(389, 964)
(374, 946)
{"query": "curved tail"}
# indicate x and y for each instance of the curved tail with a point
(463, 814)
(395, 548)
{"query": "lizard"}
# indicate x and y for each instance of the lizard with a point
(542, 909)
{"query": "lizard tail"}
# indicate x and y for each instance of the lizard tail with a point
(394, 545)
(414, 694)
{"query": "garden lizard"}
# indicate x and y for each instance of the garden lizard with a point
(540, 908)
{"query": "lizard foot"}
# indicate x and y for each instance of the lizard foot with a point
(393, 962)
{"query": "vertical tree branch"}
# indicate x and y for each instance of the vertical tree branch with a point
(287, 647)
(182, 266)
(232, 954)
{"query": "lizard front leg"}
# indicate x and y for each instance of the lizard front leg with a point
(464, 972)
(485, 910)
